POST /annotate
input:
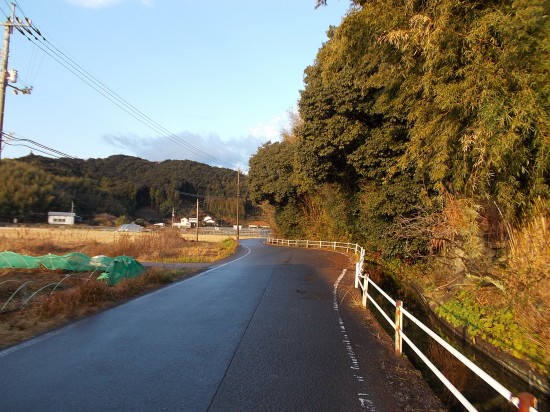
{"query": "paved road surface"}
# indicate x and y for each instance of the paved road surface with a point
(261, 332)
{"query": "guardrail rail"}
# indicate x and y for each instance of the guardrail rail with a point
(523, 401)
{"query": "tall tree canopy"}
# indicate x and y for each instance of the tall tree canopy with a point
(412, 103)
(24, 189)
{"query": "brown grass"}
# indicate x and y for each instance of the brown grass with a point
(166, 245)
(85, 296)
(67, 296)
(516, 280)
(452, 369)
(528, 277)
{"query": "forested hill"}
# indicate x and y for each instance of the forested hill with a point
(118, 185)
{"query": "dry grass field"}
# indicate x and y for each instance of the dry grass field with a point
(60, 240)
(33, 301)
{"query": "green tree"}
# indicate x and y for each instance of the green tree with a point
(480, 125)
(121, 185)
(25, 190)
(271, 174)
(410, 103)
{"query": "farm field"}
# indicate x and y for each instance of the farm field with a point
(33, 301)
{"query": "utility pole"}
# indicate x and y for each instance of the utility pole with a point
(238, 195)
(4, 75)
(197, 229)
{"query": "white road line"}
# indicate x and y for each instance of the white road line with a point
(363, 395)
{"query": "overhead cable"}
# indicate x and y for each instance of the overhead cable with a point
(32, 148)
(9, 137)
(100, 87)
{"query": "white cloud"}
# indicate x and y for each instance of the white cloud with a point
(94, 4)
(226, 152)
(270, 130)
(98, 4)
(231, 153)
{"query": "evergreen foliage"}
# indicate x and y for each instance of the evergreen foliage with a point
(118, 185)
(410, 104)
(423, 131)
(24, 189)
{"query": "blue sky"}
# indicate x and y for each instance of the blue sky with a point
(220, 75)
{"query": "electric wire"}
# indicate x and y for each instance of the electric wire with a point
(33, 66)
(9, 137)
(32, 148)
(121, 106)
(120, 101)
(12, 136)
(127, 107)
(51, 50)
(9, 7)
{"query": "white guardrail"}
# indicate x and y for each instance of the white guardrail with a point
(523, 401)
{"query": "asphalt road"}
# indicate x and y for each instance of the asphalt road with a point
(260, 332)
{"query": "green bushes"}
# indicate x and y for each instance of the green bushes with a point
(496, 326)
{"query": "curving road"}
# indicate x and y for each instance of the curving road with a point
(259, 332)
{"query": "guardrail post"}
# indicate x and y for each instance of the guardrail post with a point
(398, 328)
(526, 401)
(365, 290)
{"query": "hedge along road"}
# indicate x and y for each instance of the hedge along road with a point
(262, 331)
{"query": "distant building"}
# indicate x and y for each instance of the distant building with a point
(186, 223)
(209, 221)
(130, 227)
(63, 218)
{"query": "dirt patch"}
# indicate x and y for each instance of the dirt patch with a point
(166, 245)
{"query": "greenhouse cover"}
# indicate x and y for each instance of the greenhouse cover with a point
(112, 270)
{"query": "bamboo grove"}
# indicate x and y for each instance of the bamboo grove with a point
(422, 132)
(418, 120)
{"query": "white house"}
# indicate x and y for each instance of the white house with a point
(62, 218)
(186, 223)
(209, 221)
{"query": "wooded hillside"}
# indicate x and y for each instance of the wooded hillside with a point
(412, 108)
(422, 132)
(118, 185)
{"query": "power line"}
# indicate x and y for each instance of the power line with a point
(9, 137)
(7, 4)
(6, 77)
(30, 147)
(4, 13)
(74, 67)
